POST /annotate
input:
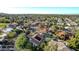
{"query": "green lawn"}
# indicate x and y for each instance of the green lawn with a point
(3, 25)
(0, 33)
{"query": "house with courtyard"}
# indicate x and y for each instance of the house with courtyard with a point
(37, 39)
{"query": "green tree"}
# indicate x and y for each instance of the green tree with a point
(21, 42)
(17, 31)
(74, 41)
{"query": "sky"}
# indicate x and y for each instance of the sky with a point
(41, 10)
(39, 6)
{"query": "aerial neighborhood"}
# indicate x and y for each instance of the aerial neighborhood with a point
(39, 32)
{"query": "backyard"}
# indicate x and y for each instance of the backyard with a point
(3, 25)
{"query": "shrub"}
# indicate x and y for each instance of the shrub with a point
(11, 35)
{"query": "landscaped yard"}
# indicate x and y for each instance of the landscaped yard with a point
(3, 25)
(0, 33)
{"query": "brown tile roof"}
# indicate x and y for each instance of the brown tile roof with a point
(61, 33)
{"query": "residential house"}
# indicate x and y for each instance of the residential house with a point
(12, 25)
(60, 33)
(42, 28)
(64, 34)
(37, 39)
(33, 26)
(60, 22)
